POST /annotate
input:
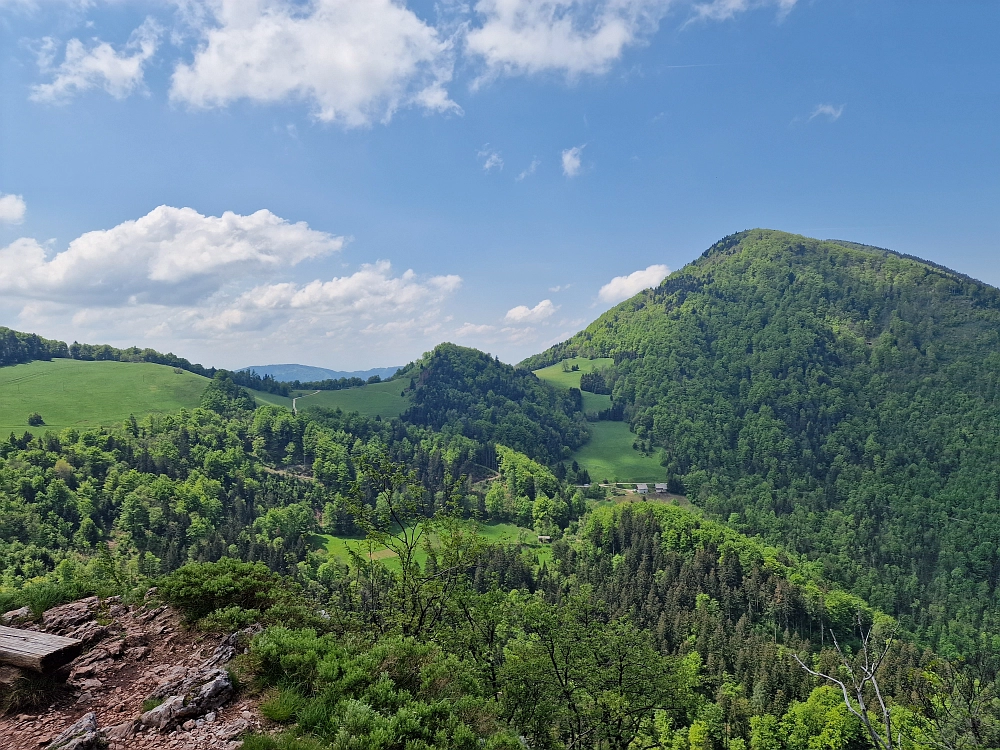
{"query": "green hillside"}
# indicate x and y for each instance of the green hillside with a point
(840, 398)
(75, 393)
(376, 399)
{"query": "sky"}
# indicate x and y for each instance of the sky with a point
(346, 183)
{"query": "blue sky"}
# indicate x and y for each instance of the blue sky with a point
(346, 183)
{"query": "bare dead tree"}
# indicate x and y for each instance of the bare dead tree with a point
(861, 681)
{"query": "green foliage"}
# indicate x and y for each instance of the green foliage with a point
(230, 594)
(394, 693)
(838, 398)
(488, 401)
(31, 692)
(18, 348)
(35, 419)
(222, 395)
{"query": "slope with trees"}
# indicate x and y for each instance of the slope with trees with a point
(840, 398)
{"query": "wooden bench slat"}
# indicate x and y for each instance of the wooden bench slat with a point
(38, 651)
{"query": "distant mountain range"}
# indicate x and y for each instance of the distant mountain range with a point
(308, 373)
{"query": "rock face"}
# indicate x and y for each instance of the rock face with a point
(81, 735)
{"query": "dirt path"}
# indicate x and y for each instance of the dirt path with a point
(294, 409)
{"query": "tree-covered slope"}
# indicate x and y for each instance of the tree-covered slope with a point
(482, 398)
(840, 398)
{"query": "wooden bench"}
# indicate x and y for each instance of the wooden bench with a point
(40, 652)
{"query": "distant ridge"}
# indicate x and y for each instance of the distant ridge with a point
(308, 373)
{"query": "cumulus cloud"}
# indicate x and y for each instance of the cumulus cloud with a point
(569, 36)
(209, 285)
(12, 209)
(355, 61)
(827, 110)
(571, 163)
(170, 254)
(491, 158)
(723, 10)
(96, 66)
(524, 314)
(622, 287)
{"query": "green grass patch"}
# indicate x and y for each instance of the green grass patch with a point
(378, 399)
(496, 533)
(74, 393)
(557, 376)
(609, 455)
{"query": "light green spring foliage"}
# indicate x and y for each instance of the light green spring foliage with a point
(840, 399)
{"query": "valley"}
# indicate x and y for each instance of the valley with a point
(822, 414)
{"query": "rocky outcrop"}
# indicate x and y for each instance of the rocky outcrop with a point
(132, 654)
(81, 735)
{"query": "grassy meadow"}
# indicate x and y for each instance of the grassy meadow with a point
(74, 393)
(378, 399)
(609, 455)
(554, 373)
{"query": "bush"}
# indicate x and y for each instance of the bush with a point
(231, 594)
(35, 419)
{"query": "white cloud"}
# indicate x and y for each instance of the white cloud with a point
(491, 158)
(571, 161)
(569, 36)
(827, 110)
(622, 287)
(12, 209)
(525, 314)
(529, 170)
(217, 289)
(723, 10)
(170, 254)
(96, 66)
(472, 329)
(355, 61)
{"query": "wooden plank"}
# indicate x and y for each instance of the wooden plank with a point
(41, 652)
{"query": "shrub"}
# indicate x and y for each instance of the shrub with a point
(224, 587)
(35, 419)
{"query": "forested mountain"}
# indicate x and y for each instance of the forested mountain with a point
(840, 398)
(482, 398)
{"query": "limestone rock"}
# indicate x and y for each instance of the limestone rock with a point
(120, 732)
(199, 692)
(81, 735)
(16, 616)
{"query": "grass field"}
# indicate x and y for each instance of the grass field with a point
(377, 399)
(609, 455)
(73, 393)
(497, 533)
(554, 373)
(592, 403)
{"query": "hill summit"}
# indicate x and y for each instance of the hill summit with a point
(839, 397)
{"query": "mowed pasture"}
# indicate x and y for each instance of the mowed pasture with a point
(555, 374)
(374, 400)
(74, 393)
(609, 455)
